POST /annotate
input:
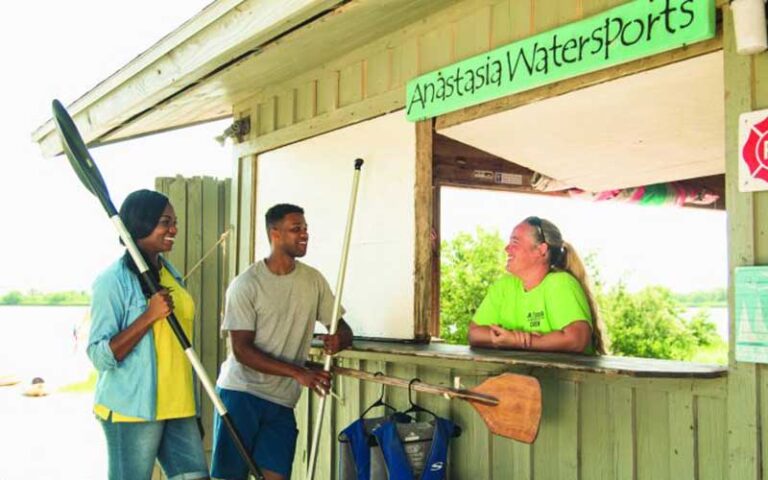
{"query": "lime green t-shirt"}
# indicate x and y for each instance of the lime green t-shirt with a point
(552, 305)
(175, 386)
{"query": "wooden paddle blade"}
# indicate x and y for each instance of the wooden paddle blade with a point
(518, 413)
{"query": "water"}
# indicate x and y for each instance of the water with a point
(40, 342)
(52, 437)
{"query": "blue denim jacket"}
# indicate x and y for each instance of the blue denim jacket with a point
(129, 386)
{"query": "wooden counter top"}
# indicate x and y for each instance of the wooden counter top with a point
(636, 367)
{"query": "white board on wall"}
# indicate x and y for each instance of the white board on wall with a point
(316, 174)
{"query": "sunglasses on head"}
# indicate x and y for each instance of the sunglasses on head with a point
(536, 223)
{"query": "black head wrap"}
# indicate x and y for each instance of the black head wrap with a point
(140, 213)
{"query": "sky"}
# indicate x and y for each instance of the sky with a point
(55, 235)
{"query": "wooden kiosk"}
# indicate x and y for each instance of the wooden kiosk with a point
(313, 84)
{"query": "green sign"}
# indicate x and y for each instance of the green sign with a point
(751, 312)
(628, 32)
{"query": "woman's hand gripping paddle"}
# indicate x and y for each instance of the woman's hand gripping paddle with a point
(89, 175)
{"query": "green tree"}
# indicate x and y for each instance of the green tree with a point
(57, 298)
(34, 297)
(11, 298)
(469, 265)
(651, 324)
(702, 328)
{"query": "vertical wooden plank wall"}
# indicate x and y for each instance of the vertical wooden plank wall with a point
(201, 205)
(593, 426)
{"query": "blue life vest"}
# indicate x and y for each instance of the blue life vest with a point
(361, 451)
(393, 452)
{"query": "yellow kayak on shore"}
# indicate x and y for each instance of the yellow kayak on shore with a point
(36, 388)
(8, 380)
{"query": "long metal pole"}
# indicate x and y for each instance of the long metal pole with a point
(335, 317)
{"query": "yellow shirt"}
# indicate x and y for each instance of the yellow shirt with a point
(175, 394)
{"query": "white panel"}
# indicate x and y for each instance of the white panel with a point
(316, 174)
(656, 126)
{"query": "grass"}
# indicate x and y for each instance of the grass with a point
(715, 353)
(86, 386)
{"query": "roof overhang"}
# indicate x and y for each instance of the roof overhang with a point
(223, 32)
(225, 55)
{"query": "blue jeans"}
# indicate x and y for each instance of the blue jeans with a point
(133, 448)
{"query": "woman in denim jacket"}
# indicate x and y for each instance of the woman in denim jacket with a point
(145, 397)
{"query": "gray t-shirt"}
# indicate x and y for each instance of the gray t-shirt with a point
(282, 310)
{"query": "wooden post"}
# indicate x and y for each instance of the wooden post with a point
(422, 301)
(434, 321)
(244, 214)
(744, 384)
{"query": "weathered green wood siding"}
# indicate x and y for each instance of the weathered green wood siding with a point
(202, 209)
(593, 426)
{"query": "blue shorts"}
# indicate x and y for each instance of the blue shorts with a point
(268, 431)
(133, 448)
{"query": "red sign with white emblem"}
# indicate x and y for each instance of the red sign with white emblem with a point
(753, 150)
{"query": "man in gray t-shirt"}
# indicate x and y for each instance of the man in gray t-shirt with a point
(271, 310)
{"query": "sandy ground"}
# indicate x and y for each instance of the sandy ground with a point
(56, 436)
(52, 437)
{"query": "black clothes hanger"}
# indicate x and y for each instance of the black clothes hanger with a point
(380, 402)
(414, 408)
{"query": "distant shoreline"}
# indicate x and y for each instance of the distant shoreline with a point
(34, 298)
(705, 305)
(44, 304)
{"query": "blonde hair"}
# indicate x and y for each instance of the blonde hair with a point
(563, 257)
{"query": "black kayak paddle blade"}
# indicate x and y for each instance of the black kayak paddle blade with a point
(79, 158)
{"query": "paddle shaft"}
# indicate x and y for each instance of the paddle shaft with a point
(417, 386)
(335, 318)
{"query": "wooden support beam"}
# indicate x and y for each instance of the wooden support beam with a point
(422, 293)
(745, 455)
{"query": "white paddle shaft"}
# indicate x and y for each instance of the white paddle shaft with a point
(334, 318)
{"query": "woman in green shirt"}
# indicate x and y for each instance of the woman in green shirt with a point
(544, 303)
